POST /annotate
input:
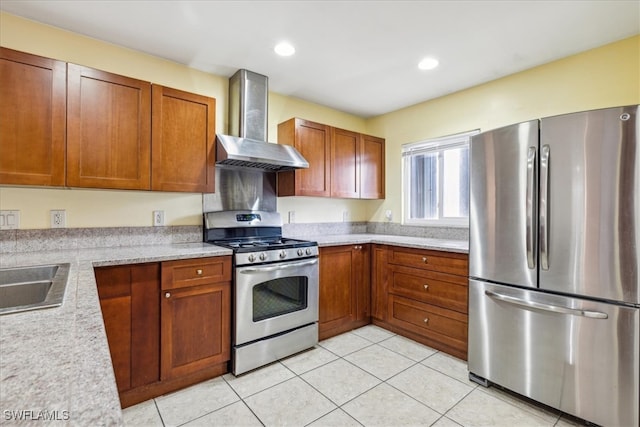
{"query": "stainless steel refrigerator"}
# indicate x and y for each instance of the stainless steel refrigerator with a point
(554, 288)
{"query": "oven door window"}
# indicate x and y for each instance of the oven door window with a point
(279, 296)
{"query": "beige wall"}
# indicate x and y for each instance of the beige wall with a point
(601, 77)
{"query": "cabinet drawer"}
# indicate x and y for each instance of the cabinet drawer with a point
(193, 272)
(438, 324)
(443, 290)
(445, 262)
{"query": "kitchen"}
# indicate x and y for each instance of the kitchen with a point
(540, 92)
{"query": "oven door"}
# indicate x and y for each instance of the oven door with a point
(275, 298)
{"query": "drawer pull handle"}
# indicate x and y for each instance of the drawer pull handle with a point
(424, 259)
(426, 287)
(199, 272)
(426, 320)
(167, 295)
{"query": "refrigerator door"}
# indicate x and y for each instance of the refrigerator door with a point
(503, 212)
(542, 346)
(590, 204)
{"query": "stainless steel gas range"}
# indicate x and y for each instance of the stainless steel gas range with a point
(275, 292)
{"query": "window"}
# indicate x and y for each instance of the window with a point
(436, 181)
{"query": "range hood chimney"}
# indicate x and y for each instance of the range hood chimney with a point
(246, 145)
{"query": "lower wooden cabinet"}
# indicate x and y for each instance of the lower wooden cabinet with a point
(195, 319)
(167, 324)
(344, 289)
(422, 294)
(129, 298)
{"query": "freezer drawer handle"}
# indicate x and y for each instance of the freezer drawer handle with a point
(546, 307)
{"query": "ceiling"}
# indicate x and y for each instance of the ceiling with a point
(355, 56)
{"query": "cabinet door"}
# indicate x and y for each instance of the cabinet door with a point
(345, 163)
(195, 328)
(338, 298)
(379, 284)
(32, 119)
(129, 298)
(362, 278)
(183, 141)
(372, 167)
(313, 141)
(108, 130)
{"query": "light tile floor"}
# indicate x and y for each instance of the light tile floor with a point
(368, 377)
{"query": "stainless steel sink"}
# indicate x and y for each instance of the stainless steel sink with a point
(31, 288)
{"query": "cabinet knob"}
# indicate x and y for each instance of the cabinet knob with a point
(426, 286)
(357, 247)
(424, 259)
(199, 272)
(426, 320)
(167, 295)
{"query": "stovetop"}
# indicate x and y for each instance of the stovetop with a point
(270, 251)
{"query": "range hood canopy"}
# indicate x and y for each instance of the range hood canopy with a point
(247, 145)
(251, 153)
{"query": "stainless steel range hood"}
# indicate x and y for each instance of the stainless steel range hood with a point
(247, 145)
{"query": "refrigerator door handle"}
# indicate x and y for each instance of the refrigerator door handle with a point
(546, 307)
(529, 208)
(544, 207)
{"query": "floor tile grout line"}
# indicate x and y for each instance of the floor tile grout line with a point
(155, 404)
(473, 385)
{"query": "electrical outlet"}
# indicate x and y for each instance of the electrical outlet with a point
(58, 218)
(292, 217)
(346, 216)
(158, 218)
(9, 220)
(388, 215)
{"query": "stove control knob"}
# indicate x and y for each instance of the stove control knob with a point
(251, 257)
(300, 252)
(263, 256)
(308, 251)
(283, 254)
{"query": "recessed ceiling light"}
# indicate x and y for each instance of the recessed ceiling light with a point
(284, 49)
(428, 63)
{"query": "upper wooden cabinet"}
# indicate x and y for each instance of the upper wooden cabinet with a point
(69, 125)
(345, 163)
(108, 130)
(372, 167)
(32, 119)
(183, 141)
(342, 163)
(313, 141)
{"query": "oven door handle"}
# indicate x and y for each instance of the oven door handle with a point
(252, 270)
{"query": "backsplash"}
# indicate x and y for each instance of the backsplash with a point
(84, 238)
(329, 228)
(323, 228)
(392, 228)
(14, 241)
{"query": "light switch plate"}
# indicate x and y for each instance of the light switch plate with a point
(9, 220)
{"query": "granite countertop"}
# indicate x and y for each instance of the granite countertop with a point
(55, 362)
